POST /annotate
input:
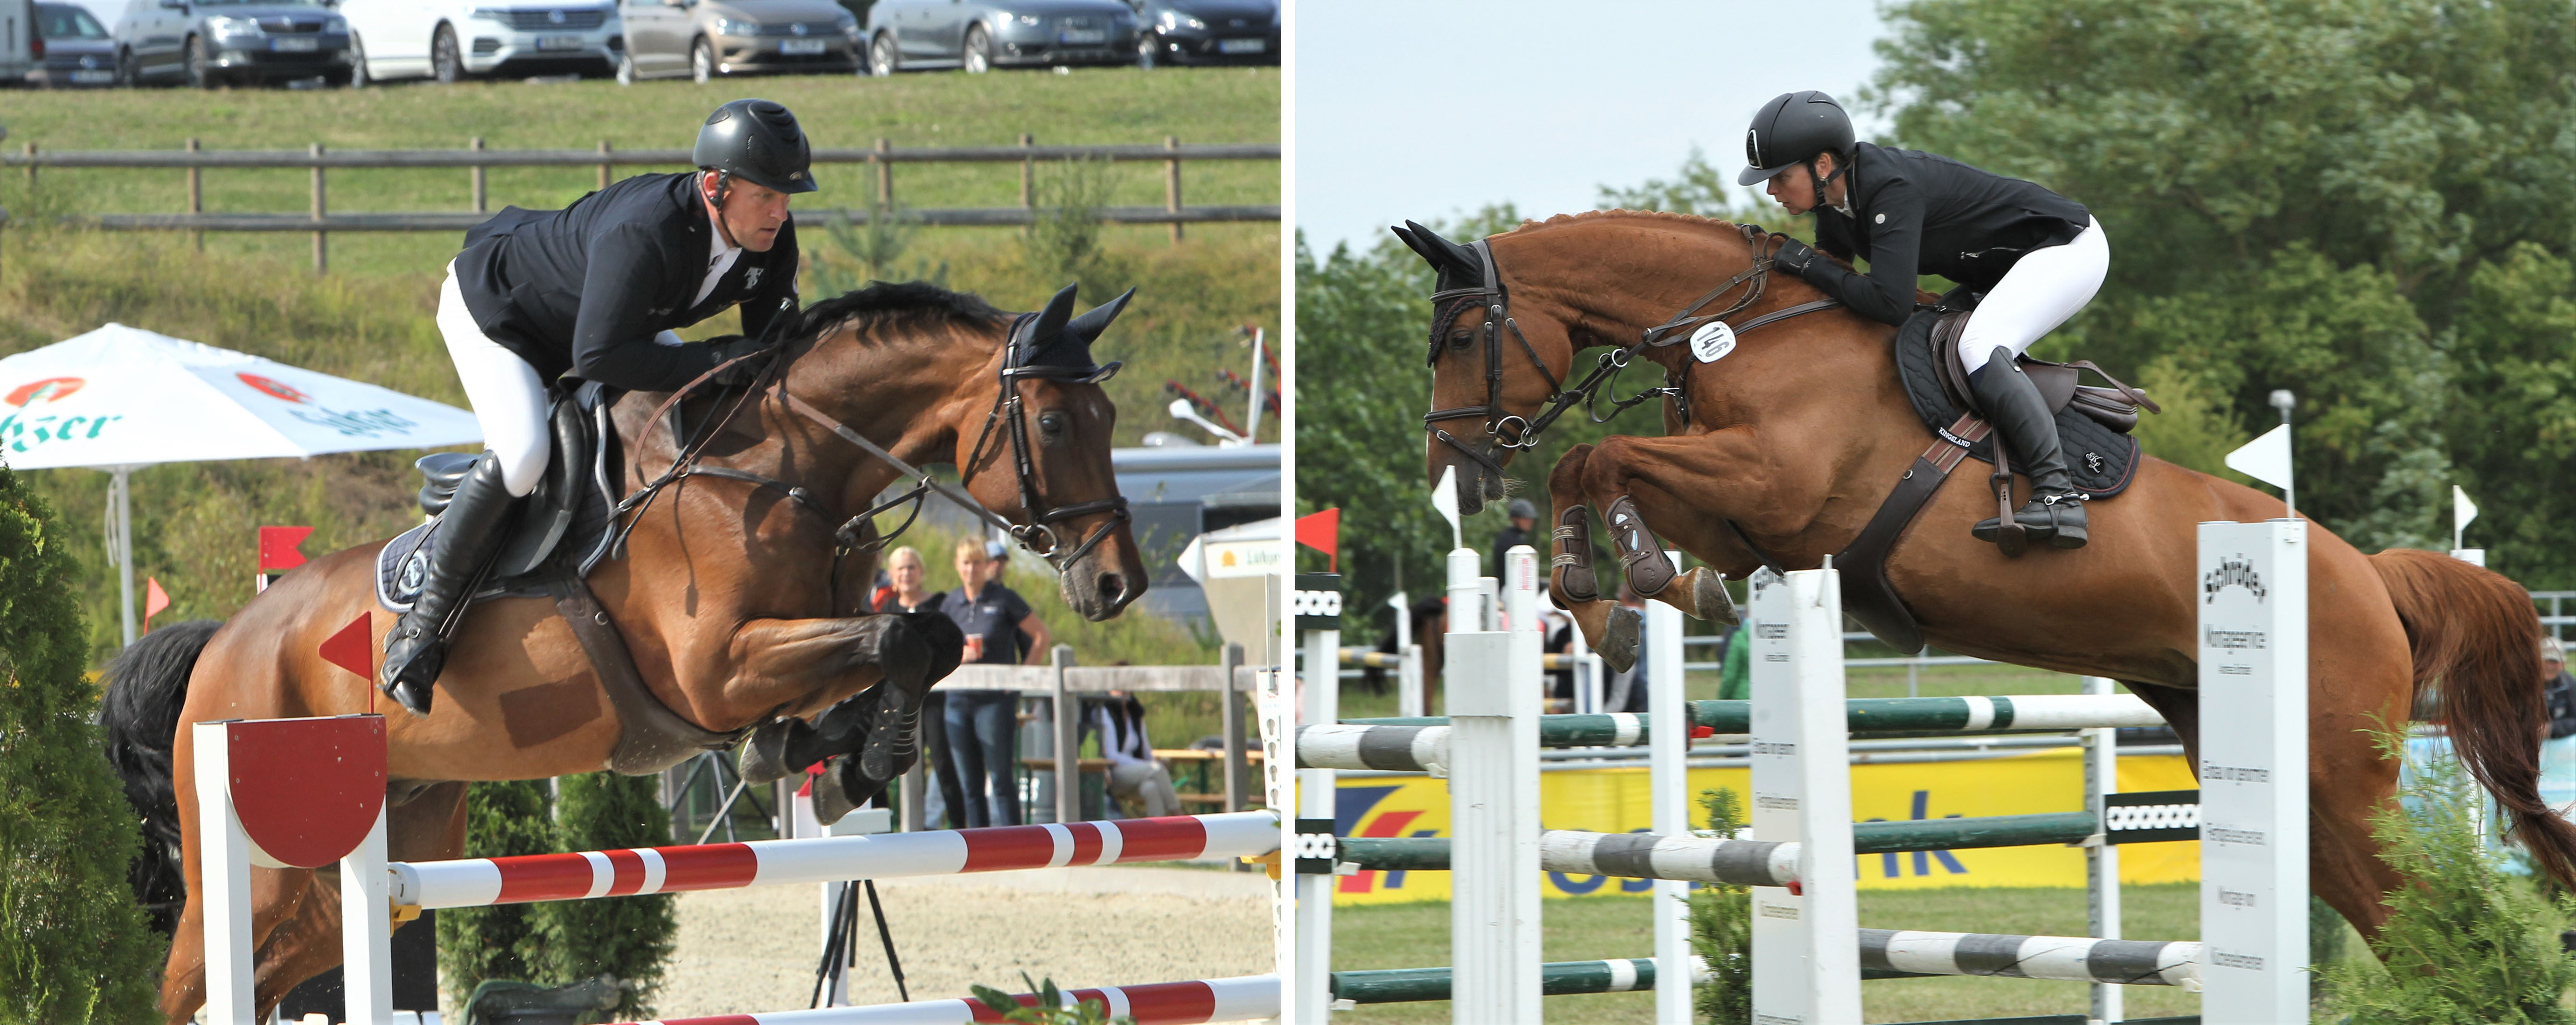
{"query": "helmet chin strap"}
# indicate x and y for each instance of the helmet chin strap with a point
(1820, 182)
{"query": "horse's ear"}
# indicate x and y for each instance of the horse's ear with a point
(1443, 255)
(1089, 326)
(1058, 311)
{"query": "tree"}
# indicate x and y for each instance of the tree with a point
(499, 942)
(73, 944)
(2371, 204)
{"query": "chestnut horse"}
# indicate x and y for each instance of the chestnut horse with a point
(726, 595)
(1796, 436)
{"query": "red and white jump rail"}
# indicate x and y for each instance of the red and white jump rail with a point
(1243, 998)
(479, 882)
(303, 793)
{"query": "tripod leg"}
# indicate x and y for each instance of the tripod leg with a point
(893, 963)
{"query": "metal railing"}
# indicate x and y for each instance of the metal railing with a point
(476, 159)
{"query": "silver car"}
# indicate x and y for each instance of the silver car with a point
(706, 38)
(980, 35)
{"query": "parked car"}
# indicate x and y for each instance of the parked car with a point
(77, 52)
(206, 43)
(449, 40)
(706, 38)
(1207, 32)
(979, 35)
(21, 47)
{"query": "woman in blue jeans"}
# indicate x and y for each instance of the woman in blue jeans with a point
(983, 725)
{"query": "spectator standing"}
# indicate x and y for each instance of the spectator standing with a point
(983, 725)
(907, 590)
(1134, 773)
(2557, 688)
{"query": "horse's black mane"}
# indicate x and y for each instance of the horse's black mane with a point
(894, 304)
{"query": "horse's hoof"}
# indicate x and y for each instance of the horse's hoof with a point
(763, 755)
(1709, 597)
(1619, 634)
(832, 798)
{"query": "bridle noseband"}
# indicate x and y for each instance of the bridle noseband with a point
(1505, 430)
(1009, 413)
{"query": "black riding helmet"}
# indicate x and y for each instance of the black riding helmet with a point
(758, 142)
(1791, 130)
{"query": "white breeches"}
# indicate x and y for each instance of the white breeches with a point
(1147, 783)
(2039, 293)
(509, 401)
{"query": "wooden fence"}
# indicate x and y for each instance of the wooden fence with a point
(475, 158)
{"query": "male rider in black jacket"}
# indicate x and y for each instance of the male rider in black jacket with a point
(593, 291)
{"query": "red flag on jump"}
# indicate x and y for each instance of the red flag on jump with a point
(353, 648)
(1322, 532)
(278, 547)
(154, 600)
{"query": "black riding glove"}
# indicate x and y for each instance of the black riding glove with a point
(729, 347)
(1794, 256)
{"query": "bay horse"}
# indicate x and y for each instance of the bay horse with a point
(730, 595)
(1794, 439)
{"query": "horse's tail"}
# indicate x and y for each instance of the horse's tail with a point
(2477, 636)
(146, 685)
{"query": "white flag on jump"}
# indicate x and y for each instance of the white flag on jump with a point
(1444, 498)
(2266, 458)
(2462, 510)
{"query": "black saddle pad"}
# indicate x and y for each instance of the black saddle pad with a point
(2100, 461)
(403, 564)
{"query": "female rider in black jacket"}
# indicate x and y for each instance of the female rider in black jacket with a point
(2038, 257)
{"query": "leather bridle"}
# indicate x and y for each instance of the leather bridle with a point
(1009, 413)
(1505, 430)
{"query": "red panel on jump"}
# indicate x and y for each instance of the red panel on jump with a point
(1170, 1003)
(1163, 839)
(1086, 843)
(715, 866)
(535, 877)
(1002, 848)
(307, 790)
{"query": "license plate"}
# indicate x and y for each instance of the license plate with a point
(1084, 35)
(292, 44)
(1242, 45)
(801, 45)
(93, 77)
(560, 42)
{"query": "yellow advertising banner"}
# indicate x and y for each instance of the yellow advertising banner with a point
(1615, 801)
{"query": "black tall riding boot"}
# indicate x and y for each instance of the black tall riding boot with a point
(468, 535)
(2055, 513)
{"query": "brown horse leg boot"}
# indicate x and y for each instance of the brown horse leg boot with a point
(2055, 513)
(1572, 562)
(1639, 551)
(469, 534)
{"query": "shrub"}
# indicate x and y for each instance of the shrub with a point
(628, 938)
(500, 942)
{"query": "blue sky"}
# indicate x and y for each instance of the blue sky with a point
(1426, 109)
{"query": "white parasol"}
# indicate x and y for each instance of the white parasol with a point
(121, 397)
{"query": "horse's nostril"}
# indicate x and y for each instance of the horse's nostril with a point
(1110, 586)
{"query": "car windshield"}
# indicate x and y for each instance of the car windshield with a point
(63, 21)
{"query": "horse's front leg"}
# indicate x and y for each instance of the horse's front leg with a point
(817, 669)
(1637, 481)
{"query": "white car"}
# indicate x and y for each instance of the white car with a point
(447, 40)
(22, 50)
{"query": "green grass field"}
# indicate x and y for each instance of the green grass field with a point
(370, 318)
(1417, 936)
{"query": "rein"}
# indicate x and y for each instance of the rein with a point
(1008, 412)
(1506, 431)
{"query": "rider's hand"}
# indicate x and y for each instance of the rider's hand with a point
(1794, 256)
(729, 347)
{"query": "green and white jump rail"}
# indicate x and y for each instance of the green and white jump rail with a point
(1421, 744)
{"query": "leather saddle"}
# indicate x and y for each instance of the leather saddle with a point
(556, 536)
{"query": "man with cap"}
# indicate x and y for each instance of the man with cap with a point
(2557, 689)
(1524, 518)
(594, 291)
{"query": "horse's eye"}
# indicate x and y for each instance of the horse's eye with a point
(1461, 339)
(1054, 425)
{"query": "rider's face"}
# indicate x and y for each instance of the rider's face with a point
(1795, 189)
(752, 214)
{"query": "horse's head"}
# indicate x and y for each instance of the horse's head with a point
(1510, 313)
(1022, 416)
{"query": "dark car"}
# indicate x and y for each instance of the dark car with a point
(980, 35)
(78, 50)
(207, 43)
(1207, 32)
